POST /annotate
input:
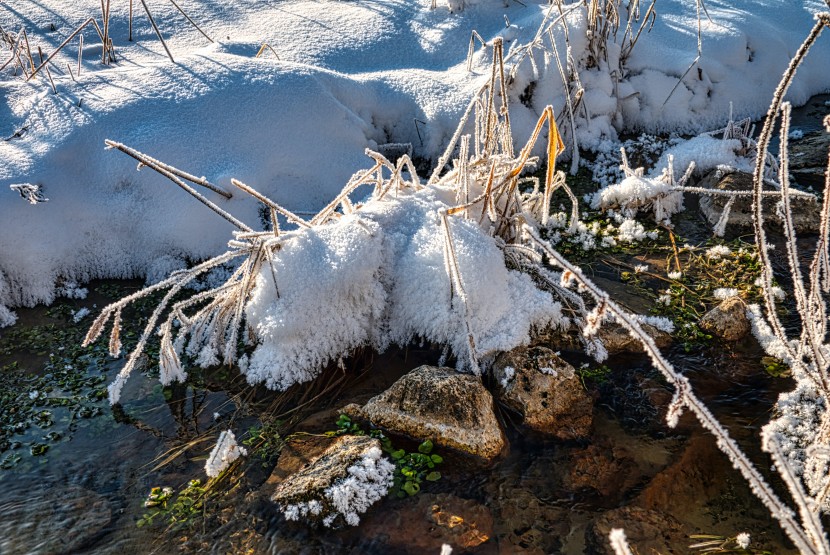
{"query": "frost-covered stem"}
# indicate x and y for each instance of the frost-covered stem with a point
(183, 279)
(154, 164)
(456, 281)
(569, 104)
(66, 41)
(357, 180)
(685, 396)
(806, 507)
(822, 20)
(442, 161)
(290, 216)
(193, 179)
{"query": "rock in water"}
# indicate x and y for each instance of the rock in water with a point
(545, 390)
(806, 212)
(727, 320)
(450, 409)
(341, 480)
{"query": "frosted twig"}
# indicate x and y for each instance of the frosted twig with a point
(154, 164)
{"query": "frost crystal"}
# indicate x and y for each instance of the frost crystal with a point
(723, 293)
(742, 540)
(224, 453)
(367, 481)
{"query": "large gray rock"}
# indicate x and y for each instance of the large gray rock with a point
(806, 212)
(451, 409)
(545, 390)
(727, 320)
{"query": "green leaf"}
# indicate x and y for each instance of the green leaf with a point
(411, 488)
(437, 459)
(141, 522)
(433, 476)
(425, 447)
(397, 455)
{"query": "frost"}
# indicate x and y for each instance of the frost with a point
(367, 481)
(742, 540)
(509, 374)
(723, 293)
(675, 275)
(80, 314)
(224, 453)
(660, 322)
(717, 252)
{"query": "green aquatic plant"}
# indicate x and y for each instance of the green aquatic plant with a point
(179, 512)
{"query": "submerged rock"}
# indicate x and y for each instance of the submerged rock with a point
(545, 390)
(618, 340)
(450, 409)
(806, 212)
(429, 521)
(727, 320)
(322, 482)
(647, 532)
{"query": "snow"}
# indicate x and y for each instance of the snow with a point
(348, 76)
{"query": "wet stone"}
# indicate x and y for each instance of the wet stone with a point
(607, 470)
(451, 409)
(808, 158)
(545, 390)
(727, 320)
(806, 212)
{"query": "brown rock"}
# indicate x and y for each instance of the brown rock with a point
(427, 521)
(806, 212)
(727, 320)
(617, 339)
(607, 470)
(451, 409)
(647, 532)
(544, 389)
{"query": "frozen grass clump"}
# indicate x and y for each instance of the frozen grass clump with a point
(444, 261)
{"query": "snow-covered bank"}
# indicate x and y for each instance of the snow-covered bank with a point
(350, 76)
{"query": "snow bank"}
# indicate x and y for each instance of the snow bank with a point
(349, 76)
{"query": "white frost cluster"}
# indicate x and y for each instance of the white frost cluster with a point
(660, 322)
(742, 540)
(509, 374)
(80, 314)
(717, 252)
(368, 481)
(723, 293)
(224, 453)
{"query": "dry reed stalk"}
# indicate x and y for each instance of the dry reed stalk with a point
(262, 49)
(156, 29)
(80, 28)
(187, 17)
(153, 164)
